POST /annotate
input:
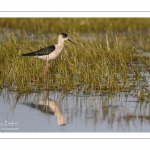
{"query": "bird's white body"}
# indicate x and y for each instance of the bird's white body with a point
(58, 49)
(53, 55)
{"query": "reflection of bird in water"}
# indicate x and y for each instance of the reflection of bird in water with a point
(49, 106)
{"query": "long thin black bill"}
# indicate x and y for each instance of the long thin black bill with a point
(71, 41)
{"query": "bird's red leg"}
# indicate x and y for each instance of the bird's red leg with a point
(46, 68)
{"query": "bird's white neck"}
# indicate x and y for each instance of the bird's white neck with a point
(59, 47)
(60, 43)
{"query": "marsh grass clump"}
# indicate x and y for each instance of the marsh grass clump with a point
(102, 61)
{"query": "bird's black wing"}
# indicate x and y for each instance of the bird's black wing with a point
(43, 51)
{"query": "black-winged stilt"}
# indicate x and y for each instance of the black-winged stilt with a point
(50, 52)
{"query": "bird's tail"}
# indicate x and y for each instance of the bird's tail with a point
(29, 54)
(24, 55)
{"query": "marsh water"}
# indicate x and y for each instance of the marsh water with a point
(51, 111)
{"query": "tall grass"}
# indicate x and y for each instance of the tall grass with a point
(104, 59)
(74, 25)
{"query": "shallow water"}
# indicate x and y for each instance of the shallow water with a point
(72, 113)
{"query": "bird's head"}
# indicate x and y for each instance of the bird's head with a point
(64, 37)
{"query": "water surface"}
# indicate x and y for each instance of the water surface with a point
(73, 113)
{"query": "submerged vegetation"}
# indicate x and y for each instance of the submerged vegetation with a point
(107, 58)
